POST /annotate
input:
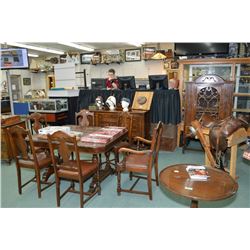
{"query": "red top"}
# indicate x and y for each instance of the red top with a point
(109, 83)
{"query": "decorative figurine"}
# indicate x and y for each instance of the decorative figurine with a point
(125, 103)
(99, 102)
(111, 102)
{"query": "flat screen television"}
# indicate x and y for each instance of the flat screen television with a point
(158, 81)
(126, 82)
(192, 49)
(14, 58)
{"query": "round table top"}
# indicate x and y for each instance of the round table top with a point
(219, 185)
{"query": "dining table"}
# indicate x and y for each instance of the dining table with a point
(92, 148)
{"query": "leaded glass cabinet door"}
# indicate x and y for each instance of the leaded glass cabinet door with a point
(208, 101)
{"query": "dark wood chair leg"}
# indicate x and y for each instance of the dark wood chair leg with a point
(150, 187)
(81, 193)
(98, 182)
(156, 173)
(118, 182)
(58, 192)
(19, 180)
(38, 181)
(131, 176)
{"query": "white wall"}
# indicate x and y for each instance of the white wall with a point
(38, 80)
(139, 69)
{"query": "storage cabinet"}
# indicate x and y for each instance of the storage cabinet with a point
(227, 68)
(55, 110)
(208, 94)
(141, 121)
(8, 121)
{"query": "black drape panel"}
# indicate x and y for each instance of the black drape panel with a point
(165, 105)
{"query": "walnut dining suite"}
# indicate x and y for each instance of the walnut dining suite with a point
(59, 154)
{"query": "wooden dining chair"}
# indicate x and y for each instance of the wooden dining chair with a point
(26, 156)
(83, 118)
(141, 163)
(37, 121)
(75, 170)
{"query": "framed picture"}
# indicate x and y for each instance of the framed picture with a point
(142, 100)
(174, 65)
(26, 81)
(132, 55)
(86, 58)
(148, 52)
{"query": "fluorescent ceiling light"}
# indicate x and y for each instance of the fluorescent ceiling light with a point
(77, 46)
(33, 55)
(136, 44)
(22, 45)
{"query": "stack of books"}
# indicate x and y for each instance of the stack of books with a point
(197, 172)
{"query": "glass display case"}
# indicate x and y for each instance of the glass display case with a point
(48, 105)
(192, 72)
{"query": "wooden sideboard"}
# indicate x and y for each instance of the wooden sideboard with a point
(8, 121)
(57, 118)
(140, 124)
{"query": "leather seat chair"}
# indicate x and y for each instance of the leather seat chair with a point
(26, 156)
(141, 163)
(75, 170)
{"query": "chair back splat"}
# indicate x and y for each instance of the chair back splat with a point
(37, 121)
(82, 118)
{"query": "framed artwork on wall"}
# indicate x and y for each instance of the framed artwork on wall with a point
(132, 55)
(148, 52)
(86, 58)
(26, 81)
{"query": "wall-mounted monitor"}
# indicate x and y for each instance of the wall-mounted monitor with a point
(126, 82)
(191, 49)
(14, 58)
(158, 81)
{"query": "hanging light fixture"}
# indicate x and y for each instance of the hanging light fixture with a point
(159, 54)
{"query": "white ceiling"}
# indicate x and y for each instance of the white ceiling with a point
(57, 46)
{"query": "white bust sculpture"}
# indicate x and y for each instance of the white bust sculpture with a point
(125, 104)
(99, 102)
(111, 102)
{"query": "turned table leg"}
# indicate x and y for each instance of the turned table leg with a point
(194, 204)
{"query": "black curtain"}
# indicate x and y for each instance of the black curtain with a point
(165, 105)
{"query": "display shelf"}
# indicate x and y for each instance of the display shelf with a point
(242, 110)
(242, 89)
(242, 94)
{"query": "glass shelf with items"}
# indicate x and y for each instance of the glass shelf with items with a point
(242, 89)
(192, 72)
(48, 105)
